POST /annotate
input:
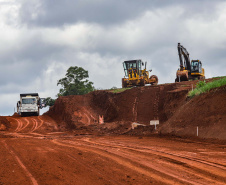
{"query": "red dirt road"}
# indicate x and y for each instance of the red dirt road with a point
(33, 152)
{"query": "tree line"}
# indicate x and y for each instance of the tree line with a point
(75, 82)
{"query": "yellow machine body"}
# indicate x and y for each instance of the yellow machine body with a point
(135, 76)
(189, 70)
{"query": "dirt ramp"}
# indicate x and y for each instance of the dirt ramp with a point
(207, 112)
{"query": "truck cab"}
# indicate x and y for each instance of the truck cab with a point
(30, 104)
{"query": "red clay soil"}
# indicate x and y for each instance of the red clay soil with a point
(207, 112)
(4, 123)
(168, 103)
(38, 150)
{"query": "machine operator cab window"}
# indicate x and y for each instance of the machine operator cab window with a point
(132, 65)
(196, 66)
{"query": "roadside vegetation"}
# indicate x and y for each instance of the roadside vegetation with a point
(75, 82)
(119, 90)
(203, 87)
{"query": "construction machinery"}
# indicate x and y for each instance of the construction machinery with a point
(30, 104)
(189, 70)
(135, 75)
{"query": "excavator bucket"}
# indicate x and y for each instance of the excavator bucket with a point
(182, 76)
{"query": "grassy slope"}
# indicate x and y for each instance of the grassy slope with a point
(207, 87)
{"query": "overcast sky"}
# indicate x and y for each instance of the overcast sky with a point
(41, 39)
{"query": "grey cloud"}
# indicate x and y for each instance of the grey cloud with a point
(25, 66)
(26, 61)
(49, 13)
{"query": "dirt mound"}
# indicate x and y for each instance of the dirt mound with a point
(15, 115)
(4, 124)
(167, 103)
(140, 104)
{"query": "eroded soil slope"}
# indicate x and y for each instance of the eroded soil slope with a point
(167, 103)
(207, 112)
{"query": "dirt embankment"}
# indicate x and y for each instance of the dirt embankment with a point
(4, 124)
(168, 103)
(207, 112)
(136, 105)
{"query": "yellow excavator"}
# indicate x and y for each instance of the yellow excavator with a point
(189, 70)
(135, 75)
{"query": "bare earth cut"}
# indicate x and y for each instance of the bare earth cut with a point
(67, 145)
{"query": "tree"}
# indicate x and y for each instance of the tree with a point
(49, 101)
(75, 82)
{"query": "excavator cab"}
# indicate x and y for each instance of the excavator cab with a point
(196, 66)
(196, 70)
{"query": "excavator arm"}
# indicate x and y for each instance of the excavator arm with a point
(184, 58)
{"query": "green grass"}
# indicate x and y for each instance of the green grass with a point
(119, 90)
(207, 87)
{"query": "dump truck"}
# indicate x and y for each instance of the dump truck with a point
(30, 104)
(135, 75)
(189, 70)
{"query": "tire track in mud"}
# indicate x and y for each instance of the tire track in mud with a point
(24, 125)
(189, 167)
(128, 163)
(94, 170)
(42, 122)
(19, 124)
(223, 167)
(27, 172)
(170, 166)
(147, 149)
(35, 126)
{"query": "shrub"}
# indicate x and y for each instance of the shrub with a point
(200, 84)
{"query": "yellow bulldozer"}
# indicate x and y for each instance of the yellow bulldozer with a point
(188, 70)
(135, 75)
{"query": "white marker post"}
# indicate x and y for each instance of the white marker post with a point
(197, 131)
